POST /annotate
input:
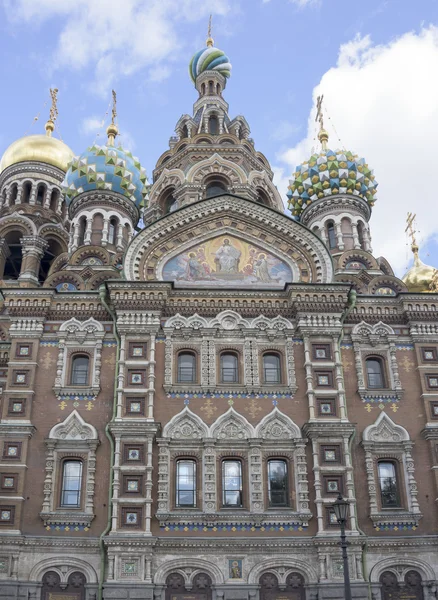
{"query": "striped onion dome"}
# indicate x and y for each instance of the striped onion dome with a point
(209, 59)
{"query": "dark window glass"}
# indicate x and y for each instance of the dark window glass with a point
(71, 483)
(229, 368)
(374, 373)
(388, 485)
(186, 367)
(112, 231)
(213, 125)
(186, 483)
(79, 370)
(271, 368)
(277, 483)
(331, 235)
(231, 483)
(215, 188)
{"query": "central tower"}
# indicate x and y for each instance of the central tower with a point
(211, 153)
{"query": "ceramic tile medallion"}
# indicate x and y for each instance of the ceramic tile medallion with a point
(227, 261)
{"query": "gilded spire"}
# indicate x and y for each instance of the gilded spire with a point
(210, 40)
(112, 129)
(322, 134)
(53, 115)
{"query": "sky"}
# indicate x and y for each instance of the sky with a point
(376, 62)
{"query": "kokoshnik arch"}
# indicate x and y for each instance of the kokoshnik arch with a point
(182, 402)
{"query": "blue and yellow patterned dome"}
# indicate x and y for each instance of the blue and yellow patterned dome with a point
(330, 173)
(106, 168)
(209, 59)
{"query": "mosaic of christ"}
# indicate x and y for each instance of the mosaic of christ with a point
(227, 261)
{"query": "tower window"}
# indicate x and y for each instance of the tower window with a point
(271, 368)
(360, 235)
(79, 370)
(186, 483)
(375, 376)
(389, 493)
(231, 483)
(213, 125)
(215, 188)
(331, 235)
(112, 231)
(186, 367)
(277, 483)
(71, 483)
(229, 368)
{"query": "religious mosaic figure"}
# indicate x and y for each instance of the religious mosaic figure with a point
(261, 269)
(227, 258)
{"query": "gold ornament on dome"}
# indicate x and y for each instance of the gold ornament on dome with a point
(420, 277)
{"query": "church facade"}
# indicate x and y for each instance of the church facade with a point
(183, 401)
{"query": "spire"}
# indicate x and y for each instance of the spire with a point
(50, 125)
(322, 134)
(112, 129)
(411, 231)
(210, 40)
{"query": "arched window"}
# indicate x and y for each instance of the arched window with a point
(229, 368)
(54, 198)
(213, 125)
(71, 483)
(331, 235)
(389, 492)
(53, 250)
(360, 235)
(277, 483)
(79, 369)
(13, 261)
(210, 87)
(186, 367)
(41, 192)
(26, 192)
(184, 132)
(203, 89)
(262, 197)
(14, 194)
(186, 483)
(112, 231)
(375, 375)
(81, 234)
(232, 483)
(215, 188)
(271, 368)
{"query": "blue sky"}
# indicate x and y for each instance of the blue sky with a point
(375, 62)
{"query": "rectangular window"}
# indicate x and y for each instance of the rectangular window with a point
(331, 519)
(186, 367)
(71, 483)
(232, 483)
(80, 370)
(321, 351)
(9, 482)
(136, 377)
(333, 484)
(132, 484)
(326, 407)
(271, 369)
(133, 453)
(131, 517)
(20, 377)
(24, 350)
(432, 381)
(186, 483)
(389, 494)
(137, 350)
(277, 483)
(229, 368)
(7, 514)
(134, 406)
(429, 354)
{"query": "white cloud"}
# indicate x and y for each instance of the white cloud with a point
(284, 130)
(115, 38)
(91, 125)
(382, 100)
(300, 3)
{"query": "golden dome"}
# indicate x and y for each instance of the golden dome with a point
(40, 148)
(420, 277)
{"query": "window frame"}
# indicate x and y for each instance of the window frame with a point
(430, 376)
(194, 356)
(395, 465)
(6, 489)
(338, 454)
(332, 401)
(332, 241)
(285, 462)
(73, 358)
(16, 413)
(329, 374)
(432, 349)
(129, 400)
(278, 357)
(224, 489)
(380, 361)
(133, 345)
(323, 346)
(236, 357)
(193, 490)
(68, 460)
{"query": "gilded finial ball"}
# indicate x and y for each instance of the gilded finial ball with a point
(50, 127)
(112, 130)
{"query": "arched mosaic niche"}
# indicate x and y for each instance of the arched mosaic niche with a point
(227, 261)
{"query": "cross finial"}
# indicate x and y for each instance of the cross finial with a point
(322, 134)
(210, 40)
(112, 129)
(434, 282)
(50, 125)
(411, 231)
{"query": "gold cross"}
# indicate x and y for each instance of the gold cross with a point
(209, 408)
(54, 107)
(209, 27)
(253, 408)
(114, 109)
(319, 116)
(407, 364)
(210, 40)
(410, 229)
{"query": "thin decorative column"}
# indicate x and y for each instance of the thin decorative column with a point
(309, 378)
(339, 380)
(151, 383)
(209, 491)
(256, 475)
(356, 242)
(148, 486)
(339, 236)
(88, 230)
(33, 248)
(116, 484)
(105, 230)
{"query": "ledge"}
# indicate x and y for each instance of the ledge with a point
(380, 396)
(67, 518)
(396, 519)
(234, 518)
(70, 392)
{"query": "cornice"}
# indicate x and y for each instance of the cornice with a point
(31, 168)
(99, 198)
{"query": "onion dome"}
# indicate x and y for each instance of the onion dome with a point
(420, 277)
(330, 173)
(38, 148)
(209, 59)
(107, 168)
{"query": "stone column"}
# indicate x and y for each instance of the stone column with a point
(151, 383)
(356, 243)
(105, 230)
(75, 228)
(33, 250)
(339, 236)
(87, 237)
(119, 241)
(47, 197)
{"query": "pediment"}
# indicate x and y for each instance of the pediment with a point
(228, 241)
